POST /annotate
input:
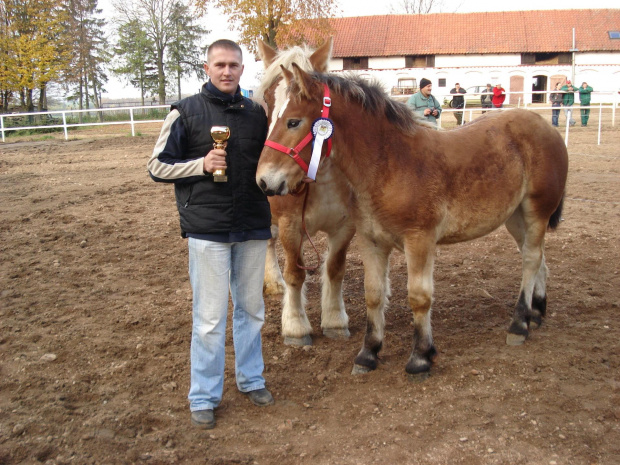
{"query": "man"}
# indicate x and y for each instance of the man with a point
(424, 104)
(458, 101)
(499, 95)
(227, 225)
(487, 98)
(556, 103)
(584, 100)
(567, 102)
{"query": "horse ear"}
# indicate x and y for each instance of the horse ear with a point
(320, 58)
(266, 52)
(303, 81)
(288, 76)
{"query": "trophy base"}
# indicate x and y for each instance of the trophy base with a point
(220, 178)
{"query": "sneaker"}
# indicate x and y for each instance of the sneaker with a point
(203, 419)
(260, 397)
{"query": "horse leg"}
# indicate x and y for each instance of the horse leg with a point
(296, 328)
(516, 227)
(377, 290)
(334, 319)
(420, 255)
(533, 280)
(274, 283)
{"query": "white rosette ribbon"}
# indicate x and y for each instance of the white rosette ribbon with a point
(322, 129)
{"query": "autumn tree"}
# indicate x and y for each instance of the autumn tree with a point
(34, 47)
(277, 22)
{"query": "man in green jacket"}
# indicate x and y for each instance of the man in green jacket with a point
(584, 99)
(567, 101)
(424, 104)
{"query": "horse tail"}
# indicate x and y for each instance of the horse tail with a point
(556, 217)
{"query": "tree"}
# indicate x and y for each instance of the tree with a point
(185, 56)
(415, 6)
(136, 58)
(34, 47)
(89, 47)
(276, 22)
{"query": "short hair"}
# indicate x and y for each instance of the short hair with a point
(225, 44)
(457, 84)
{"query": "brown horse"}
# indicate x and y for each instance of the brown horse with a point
(328, 206)
(417, 187)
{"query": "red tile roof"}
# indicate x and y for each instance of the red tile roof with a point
(473, 33)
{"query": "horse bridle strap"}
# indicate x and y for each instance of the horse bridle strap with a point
(293, 152)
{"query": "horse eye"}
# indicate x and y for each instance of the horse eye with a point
(293, 123)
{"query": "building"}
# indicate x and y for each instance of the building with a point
(525, 51)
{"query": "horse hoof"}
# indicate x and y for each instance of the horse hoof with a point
(418, 377)
(337, 333)
(298, 341)
(515, 339)
(534, 324)
(360, 370)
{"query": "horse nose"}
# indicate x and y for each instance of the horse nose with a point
(263, 185)
(268, 191)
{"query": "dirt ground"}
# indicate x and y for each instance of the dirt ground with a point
(95, 324)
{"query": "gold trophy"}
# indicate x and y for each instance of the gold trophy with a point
(220, 135)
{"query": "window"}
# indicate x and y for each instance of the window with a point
(545, 58)
(442, 82)
(355, 63)
(420, 61)
(614, 34)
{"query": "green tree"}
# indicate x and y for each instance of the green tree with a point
(185, 55)
(135, 58)
(277, 22)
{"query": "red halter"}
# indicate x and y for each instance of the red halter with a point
(293, 152)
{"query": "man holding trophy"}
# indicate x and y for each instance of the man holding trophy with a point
(209, 148)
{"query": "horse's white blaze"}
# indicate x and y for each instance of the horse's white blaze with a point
(281, 102)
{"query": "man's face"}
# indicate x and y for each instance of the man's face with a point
(224, 69)
(426, 91)
(457, 87)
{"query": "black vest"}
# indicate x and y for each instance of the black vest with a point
(206, 206)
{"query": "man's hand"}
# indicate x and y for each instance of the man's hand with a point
(215, 160)
(427, 111)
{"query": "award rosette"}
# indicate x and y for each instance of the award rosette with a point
(322, 129)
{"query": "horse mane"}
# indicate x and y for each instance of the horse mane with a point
(297, 54)
(373, 98)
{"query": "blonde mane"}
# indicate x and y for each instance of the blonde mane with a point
(298, 54)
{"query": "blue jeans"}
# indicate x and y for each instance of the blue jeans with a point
(213, 267)
(555, 113)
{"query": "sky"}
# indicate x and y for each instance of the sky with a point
(218, 25)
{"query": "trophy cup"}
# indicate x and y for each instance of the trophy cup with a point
(220, 135)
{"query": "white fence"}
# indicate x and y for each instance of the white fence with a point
(62, 119)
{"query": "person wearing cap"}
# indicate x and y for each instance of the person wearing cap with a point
(499, 95)
(487, 97)
(424, 103)
(584, 100)
(567, 101)
(458, 101)
(227, 225)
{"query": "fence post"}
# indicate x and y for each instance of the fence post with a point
(566, 134)
(64, 125)
(2, 127)
(133, 129)
(600, 115)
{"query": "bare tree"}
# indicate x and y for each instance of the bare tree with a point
(413, 7)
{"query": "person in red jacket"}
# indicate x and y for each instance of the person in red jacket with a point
(499, 95)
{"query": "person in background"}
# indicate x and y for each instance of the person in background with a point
(487, 98)
(556, 102)
(227, 225)
(499, 95)
(424, 103)
(458, 101)
(584, 100)
(567, 101)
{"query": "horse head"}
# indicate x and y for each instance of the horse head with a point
(283, 165)
(272, 83)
